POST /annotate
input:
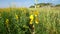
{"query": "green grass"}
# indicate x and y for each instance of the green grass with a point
(49, 21)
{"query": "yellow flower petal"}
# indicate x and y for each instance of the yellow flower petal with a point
(36, 22)
(7, 21)
(31, 22)
(31, 17)
(16, 16)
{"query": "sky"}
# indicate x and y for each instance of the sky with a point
(24, 3)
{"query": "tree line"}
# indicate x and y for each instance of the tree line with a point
(44, 5)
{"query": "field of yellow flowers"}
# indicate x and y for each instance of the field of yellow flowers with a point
(29, 21)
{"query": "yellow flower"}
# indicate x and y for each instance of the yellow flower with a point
(16, 16)
(36, 20)
(7, 21)
(31, 22)
(31, 17)
(36, 13)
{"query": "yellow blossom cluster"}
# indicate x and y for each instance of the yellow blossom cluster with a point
(34, 16)
(31, 19)
(16, 16)
(7, 22)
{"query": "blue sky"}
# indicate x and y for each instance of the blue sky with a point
(24, 3)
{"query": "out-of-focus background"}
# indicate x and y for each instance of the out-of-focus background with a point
(29, 16)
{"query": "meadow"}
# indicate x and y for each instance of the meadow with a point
(46, 20)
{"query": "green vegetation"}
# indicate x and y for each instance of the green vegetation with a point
(58, 5)
(44, 4)
(16, 20)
